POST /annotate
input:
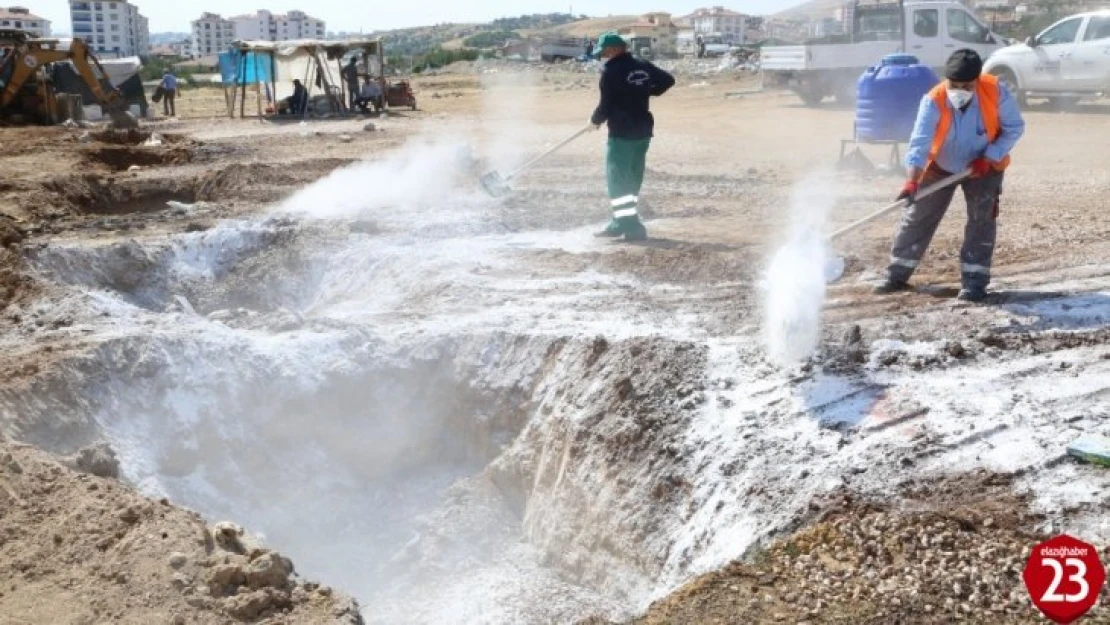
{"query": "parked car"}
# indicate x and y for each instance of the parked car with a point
(927, 29)
(1068, 61)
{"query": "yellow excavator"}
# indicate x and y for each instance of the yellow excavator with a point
(27, 85)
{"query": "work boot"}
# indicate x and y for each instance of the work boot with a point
(635, 231)
(612, 231)
(972, 294)
(890, 285)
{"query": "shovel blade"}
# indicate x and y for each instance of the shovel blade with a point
(834, 269)
(494, 184)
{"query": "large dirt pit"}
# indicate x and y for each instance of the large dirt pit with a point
(465, 410)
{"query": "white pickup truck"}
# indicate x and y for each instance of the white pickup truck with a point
(1068, 61)
(928, 29)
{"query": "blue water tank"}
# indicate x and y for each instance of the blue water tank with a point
(888, 96)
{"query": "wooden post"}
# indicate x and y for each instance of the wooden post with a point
(343, 82)
(229, 101)
(243, 86)
(307, 89)
(273, 82)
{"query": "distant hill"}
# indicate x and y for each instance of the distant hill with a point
(417, 41)
(812, 9)
(593, 27)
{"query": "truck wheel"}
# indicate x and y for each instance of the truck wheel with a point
(1007, 78)
(811, 97)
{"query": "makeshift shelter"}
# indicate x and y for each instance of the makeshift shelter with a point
(269, 68)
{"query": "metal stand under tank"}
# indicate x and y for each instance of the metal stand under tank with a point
(887, 99)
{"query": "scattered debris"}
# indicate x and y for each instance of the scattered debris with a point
(1092, 448)
(99, 460)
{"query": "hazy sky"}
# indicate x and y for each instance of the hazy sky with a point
(351, 15)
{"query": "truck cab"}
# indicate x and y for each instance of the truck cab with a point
(934, 30)
(1067, 61)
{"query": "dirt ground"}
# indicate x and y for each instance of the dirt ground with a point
(722, 169)
(79, 547)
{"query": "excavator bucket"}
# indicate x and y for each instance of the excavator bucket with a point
(123, 120)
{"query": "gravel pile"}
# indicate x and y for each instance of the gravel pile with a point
(952, 551)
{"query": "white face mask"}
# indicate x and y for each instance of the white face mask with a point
(960, 97)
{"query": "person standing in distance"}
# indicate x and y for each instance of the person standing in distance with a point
(968, 121)
(169, 94)
(627, 84)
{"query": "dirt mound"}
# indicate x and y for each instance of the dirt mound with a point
(250, 181)
(260, 182)
(76, 548)
(953, 550)
(13, 283)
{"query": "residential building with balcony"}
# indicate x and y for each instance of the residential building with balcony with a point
(268, 26)
(111, 28)
(211, 34)
(729, 26)
(20, 18)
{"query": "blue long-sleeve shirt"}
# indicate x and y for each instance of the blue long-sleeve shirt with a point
(967, 138)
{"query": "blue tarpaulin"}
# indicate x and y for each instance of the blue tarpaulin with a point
(258, 67)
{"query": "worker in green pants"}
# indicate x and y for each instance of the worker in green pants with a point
(627, 84)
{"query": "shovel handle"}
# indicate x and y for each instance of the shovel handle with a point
(943, 183)
(548, 152)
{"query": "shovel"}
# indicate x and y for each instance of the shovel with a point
(498, 186)
(834, 267)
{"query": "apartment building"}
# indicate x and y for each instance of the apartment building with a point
(659, 28)
(211, 34)
(719, 22)
(111, 28)
(268, 26)
(20, 18)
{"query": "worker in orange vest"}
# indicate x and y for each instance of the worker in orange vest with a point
(967, 122)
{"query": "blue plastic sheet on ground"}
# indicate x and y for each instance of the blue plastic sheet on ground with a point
(258, 67)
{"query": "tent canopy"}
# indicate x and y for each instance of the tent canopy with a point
(333, 48)
(280, 62)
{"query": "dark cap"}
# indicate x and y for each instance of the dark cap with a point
(964, 66)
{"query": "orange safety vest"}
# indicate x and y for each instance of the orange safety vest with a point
(989, 94)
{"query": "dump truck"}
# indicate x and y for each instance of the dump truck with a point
(561, 48)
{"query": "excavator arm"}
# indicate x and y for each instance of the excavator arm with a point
(112, 101)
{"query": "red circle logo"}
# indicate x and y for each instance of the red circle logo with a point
(1064, 577)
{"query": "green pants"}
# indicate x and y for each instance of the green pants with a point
(624, 167)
